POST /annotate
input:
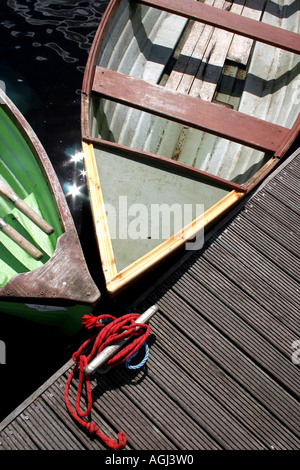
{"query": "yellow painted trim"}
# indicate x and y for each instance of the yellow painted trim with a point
(98, 211)
(136, 269)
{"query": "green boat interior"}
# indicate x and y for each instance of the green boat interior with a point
(20, 170)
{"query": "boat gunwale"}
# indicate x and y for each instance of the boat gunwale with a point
(116, 282)
(91, 61)
(16, 289)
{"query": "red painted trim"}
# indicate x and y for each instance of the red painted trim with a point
(232, 22)
(187, 110)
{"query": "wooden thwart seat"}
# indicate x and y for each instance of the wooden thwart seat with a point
(189, 111)
(223, 19)
(201, 57)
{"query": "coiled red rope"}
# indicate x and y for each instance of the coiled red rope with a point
(117, 330)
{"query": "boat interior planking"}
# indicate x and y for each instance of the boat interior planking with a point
(190, 103)
(55, 287)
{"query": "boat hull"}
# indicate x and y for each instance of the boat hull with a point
(58, 289)
(176, 112)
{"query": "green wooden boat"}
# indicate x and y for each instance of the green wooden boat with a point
(43, 274)
(185, 104)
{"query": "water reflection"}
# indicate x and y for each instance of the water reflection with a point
(77, 188)
(75, 20)
(43, 52)
(42, 64)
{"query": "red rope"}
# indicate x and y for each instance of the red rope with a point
(115, 331)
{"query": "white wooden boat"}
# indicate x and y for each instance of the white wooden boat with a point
(185, 105)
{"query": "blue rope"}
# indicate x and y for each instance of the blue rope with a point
(105, 321)
(137, 366)
(128, 361)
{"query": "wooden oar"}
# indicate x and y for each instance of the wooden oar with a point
(6, 191)
(20, 240)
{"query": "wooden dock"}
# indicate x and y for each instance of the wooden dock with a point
(224, 369)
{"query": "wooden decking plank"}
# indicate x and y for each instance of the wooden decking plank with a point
(47, 434)
(272, 249)
(188, 356)
(37, 435)
(9, 441)
(243, 26)
(55, 401)
(132, 418)
(23, 441)
(189, 111)
(274, 207)
(263, 292)
(196, 402)
(243, 335)
(6, 442)
(264, 322)
(129, 419)
(273, 224)
(61, 437)
(203, 408)
(181, 429)
(184, 431)
(269, 272)
(285, 194)
(59, 416)
(294, 169)
(105, 426)
(294, 166)
(231, 359)
(289, 180)
(135, 429)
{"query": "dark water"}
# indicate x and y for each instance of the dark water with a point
(44, 46)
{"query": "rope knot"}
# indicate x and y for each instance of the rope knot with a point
(76, 357)
(79, 359)
(92, 427)
(90, 321)
(111, 330)
(122, 440)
